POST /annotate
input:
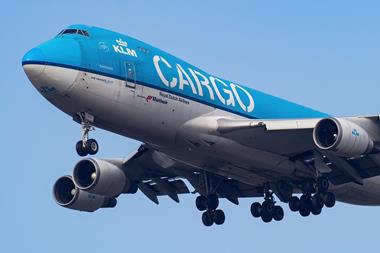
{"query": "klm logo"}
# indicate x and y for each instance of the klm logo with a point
(122, 48)
(355, 133)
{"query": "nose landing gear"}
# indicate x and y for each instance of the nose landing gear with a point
(86, 146)
(89, 147)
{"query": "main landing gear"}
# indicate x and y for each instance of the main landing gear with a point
(209, 204)
(211, 214)
(86, 146)
(268, 210)
(315, 196)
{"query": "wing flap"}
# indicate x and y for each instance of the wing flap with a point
(154, 180)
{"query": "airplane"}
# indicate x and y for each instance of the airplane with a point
(226, 140)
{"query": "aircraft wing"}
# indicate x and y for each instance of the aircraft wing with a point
(156, 174)
(284, 137)
(293, 138)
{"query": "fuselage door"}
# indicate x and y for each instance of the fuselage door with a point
(130, 74)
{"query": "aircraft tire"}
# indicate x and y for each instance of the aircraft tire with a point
(304, 211)
(267, 207)
(92, 146)
(207, 219)
(323, 184)
(316, 211)
(201, 203)
(305, 202)
(316, 202)
(278, 213)
(266, 217)
(329, 199)
(212, 202)
(294, 204)
(80, 150)
(219, 217)
(256, 209)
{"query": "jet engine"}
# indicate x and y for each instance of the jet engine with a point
(66, 194)
(343, 137)
(101, 177)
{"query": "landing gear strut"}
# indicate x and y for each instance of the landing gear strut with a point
(315, 196)
(86, 146)
(209, 204)
(268, 210)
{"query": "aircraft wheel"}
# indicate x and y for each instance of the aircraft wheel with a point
(219, 217)
(278, 213)
(207, 219)
(267, 207)
(329, 199)
(317, 202)
(304, 211)
(201, 203)
(305, 202)
(212, 201)
(80, 150)
(266, 217)
(323, 184)
(256, 209)
(92, 146)
(316, 211)
(294, 204)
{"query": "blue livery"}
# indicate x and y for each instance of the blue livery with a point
(115, 55)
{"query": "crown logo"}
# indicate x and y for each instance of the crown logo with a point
(121, 42)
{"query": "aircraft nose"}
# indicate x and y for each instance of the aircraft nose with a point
(52, 66)
(33, 63)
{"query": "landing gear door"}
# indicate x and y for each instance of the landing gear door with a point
(130, 74)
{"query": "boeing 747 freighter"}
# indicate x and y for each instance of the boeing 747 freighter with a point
(225, 139)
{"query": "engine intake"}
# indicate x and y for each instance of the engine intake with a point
(66, 194)
(101, 177)
(343, 137)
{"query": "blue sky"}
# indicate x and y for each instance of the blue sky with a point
(323, 54)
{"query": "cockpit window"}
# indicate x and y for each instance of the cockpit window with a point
(74, 31)
(68, 31)
(84, 33)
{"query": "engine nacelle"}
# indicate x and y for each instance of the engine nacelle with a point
(343, 137)
(100, 177)
(66, 194)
